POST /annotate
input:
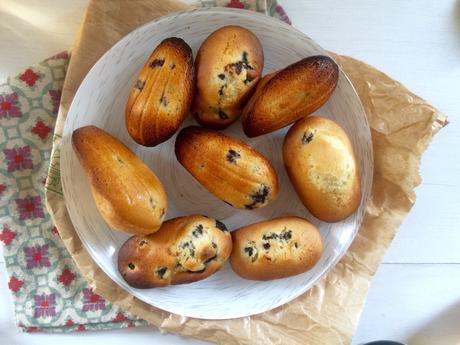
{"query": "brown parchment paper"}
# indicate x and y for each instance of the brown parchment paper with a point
(402, 126)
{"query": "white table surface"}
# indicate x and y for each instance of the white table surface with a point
(415, 295)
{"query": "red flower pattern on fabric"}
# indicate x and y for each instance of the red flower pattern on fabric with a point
(92, 301)
(41, 130)
(29, 77)
(2, 188)
(7, 236)
(62, 55)
(120, 317)
(30, 208)
(69, 323)
(37, 256)
(15, 284)
(55, 99)
(235, 4)
(45, 305)
(66, 277)
(55, 230)
(283, 15)
(18, 158)
(9, 105)
(81, 328)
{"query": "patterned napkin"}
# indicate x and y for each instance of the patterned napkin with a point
(48, 291)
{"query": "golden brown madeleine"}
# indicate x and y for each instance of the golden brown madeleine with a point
(321, 165)
(162, 95)
(277, 248)
(228, 66)
(127, 193)
(290, 94)
(230, 169)
(184, 250)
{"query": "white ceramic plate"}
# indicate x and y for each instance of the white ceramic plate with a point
(101, 100)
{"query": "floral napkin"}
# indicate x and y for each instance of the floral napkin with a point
(48, 291)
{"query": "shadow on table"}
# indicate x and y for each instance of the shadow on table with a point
(443, 329)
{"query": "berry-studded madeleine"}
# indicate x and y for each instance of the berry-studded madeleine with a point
(321, 165)
(276, 248)
(228, 66)
(162, 95)
(230, 169)
(290, 94)
(184, 250)
(127, 193)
